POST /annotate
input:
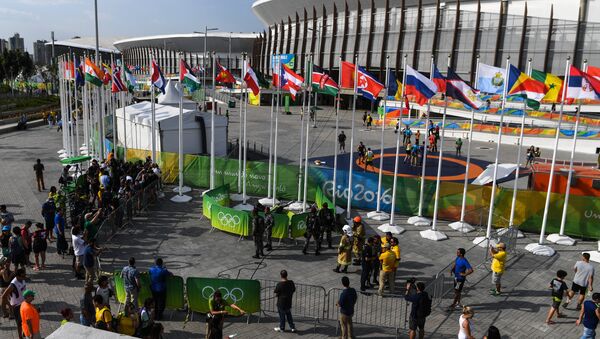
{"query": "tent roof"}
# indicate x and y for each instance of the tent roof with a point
(172, 94)
(141, 113)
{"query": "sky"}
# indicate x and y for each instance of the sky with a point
(35, 19)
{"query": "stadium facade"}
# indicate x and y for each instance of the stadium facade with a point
(547, 31)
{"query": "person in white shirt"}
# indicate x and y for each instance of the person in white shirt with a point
(465, 330)
(582, 281)
(78, 248)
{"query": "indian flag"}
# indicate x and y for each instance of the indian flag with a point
(554, 85)
(187, 78)
(93, 74)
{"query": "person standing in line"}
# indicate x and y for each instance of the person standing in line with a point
(284, 290)
(408, 156)
(79, 247)
(39, 246)
(558, 287)
(589, 316)
(38, 168)
(461, 268)
(131, 280)
(498, 255)
(158, 285)
(342, 142)
(366, 264)
(269, 224)
(27, 241)
(387, 261)
(582, 281)
(103, 317)
(420, 308)
(86, 305)
(395, 248)
(346, 304)
(458, 144)
(344, 257)
(465, 330)
(414, 152)
(17, 249)
(13, 296)
(89, 261)
(30, 316)
(59, 231)
(258, 229)
(48, 213)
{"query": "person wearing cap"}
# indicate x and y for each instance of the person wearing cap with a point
(498, 255)
(30, 316)
(13, 296)
(358, 231)
(344, 257)
(387, 259)
(89, 225)
(5, 240)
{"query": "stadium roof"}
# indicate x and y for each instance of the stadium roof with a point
(106, 44)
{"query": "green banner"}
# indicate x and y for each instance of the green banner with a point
(298, 225)
(280, 229)
(321, 198)
(219, 196)
(243, 293)
(229, 220)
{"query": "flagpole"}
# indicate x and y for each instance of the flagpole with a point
(212, 124)
(123, 94)
(562, 239)
(485, 241)
(540, 244)
(378, 214)
(350, 164)
(180, 197)
(153, 114)
(77, 146)
(274, 198)
(271, 144)
(310, 63)
(433, 233)
(461, 225)
(241, 147)
(245, 107)
(520, 145)
(299, 204)
(113, 112)
(69, 121)
(62, 100)
(84, 108)
(419, 220)
(335, 142)
(397, 157)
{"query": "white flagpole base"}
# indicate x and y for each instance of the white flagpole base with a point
(84, 152)
(379, 216)
(561, 239)
(461, 226)
(83, 148)
(297, 206)
(268, 201)
(594, 256)
(237, 196)
(501, 231)
(181, 198)
(61, 151)
(484, 242)
(243, 207)
(395, 229)
(184, 189)
(63, 156)
(433, 235)
(542, 250)
(419, 221)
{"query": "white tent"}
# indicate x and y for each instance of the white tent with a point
(486, 177)
(76, 331)
(171, 96)
(196, 129)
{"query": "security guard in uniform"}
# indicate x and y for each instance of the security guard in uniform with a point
(258, 229)
(312, 230)
(326, 221)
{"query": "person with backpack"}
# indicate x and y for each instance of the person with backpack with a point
(13, 296)
(420, 308)
(104, 319)
(17, 249)
(258, 229)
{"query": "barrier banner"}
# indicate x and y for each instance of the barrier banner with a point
(241, 292)
(298, 225)
(321, 198)
(229, 220)
(280, 229)
(219, 196)
(175, 299)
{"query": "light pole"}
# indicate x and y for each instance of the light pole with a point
(206, 29)
(318, 32)
(100, 108)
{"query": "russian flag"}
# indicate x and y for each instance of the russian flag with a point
(419, 86)
(157, 77)
(582, 85)
(367, 85)
(439, 80)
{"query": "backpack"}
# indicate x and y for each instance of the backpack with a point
(424, 306)
(16, 246)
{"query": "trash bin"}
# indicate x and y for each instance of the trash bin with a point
(231, 104)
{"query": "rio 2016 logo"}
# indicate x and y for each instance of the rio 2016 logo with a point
(359, 193)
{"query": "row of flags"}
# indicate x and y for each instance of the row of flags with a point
(122, 79)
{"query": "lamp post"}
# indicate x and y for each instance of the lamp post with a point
(206, 29)
(318, 32)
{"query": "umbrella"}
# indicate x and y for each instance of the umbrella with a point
(75, 160)
(389, 228)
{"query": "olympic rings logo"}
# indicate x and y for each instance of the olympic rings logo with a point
(228, 220)
(301, 225)
(236, 294)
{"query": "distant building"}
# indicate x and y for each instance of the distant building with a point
(3, 45)
(40, 53)
(16, 43)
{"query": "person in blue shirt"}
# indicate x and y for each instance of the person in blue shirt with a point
(589, 316)
(460, 269)
(158, 286)
(59, 230)
(346, 304)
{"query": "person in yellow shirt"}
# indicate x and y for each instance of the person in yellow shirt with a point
(103, 316)
(388, 266)
(388, 237)
(498, 255)
(394, 247)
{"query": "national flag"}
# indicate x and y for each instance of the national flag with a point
(93, 74)
(491, 79)
(69, 70)
(198, 69)
(251, 80)
(394, 87)
(594, 72)
(347, 76)
(291, 81)
(418, 85)
(458, 89)
(79, 79)
(554, 85)
(107, 74)
(439, 80)
(322, 82)
(117, 82)
(157, 78)
(187, 77)
(129, 80)
(524, 86)
(262, 82)
(254, 100)
(582, 85)
(224, 75)
(367, 85)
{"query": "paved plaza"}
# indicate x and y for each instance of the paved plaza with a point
(180, 235)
